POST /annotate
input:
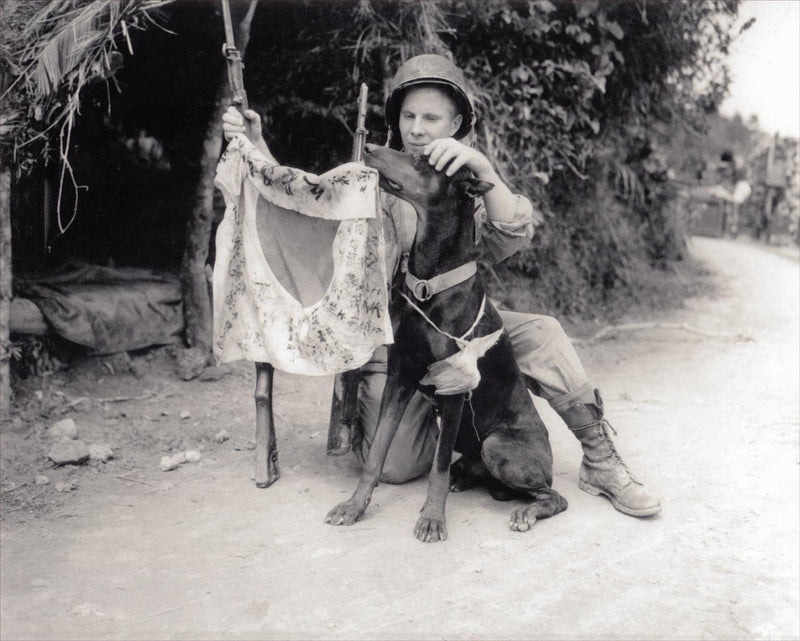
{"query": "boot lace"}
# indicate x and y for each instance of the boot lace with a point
(605, 426)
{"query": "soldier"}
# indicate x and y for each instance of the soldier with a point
(428, 112)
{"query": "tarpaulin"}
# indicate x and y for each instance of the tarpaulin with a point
(108, 309)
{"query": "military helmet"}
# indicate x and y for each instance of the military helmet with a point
(429, 69)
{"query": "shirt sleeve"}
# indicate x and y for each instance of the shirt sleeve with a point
(501, 239)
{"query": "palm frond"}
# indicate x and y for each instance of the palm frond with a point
(53, 49)
(50, 51)
(54, 56)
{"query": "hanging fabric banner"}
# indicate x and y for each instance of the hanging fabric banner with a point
(299, 276)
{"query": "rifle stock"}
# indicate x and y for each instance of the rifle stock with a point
(344, 401)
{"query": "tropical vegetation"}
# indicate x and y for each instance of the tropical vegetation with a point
(578, 103)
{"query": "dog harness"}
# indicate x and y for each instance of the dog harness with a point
(299, 277)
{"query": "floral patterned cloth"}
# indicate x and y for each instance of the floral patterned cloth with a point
(299, 277)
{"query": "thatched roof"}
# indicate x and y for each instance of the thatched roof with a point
(49, 51)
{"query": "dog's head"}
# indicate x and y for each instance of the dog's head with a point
(413, 179)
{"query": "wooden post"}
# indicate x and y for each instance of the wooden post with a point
(267, 471)
(197, 311)
(5, 293)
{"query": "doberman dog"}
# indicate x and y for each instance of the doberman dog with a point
(501, 437)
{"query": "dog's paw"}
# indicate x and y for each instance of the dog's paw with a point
(430, 530)
(345, 513)
(522, 519)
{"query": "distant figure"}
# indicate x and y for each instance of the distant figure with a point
(775, 184)
(739, 194)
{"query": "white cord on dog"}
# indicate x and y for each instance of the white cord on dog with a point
(461, 342)
(472, 412)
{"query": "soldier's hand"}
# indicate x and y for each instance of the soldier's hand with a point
(450, 155)
(233, 123)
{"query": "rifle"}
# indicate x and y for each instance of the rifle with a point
(344, 402)
(234, 58)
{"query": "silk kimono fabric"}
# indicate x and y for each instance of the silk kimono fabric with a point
(299, 278)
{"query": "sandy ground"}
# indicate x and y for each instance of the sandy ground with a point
(708, 420)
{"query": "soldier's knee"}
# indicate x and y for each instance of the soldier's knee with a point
(396, 472)
(538, 333)
(549, 327)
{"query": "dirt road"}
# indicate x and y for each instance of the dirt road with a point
(708, 420)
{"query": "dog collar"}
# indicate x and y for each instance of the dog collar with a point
(425, 289)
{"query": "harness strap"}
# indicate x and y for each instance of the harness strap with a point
(460, 341)
(425, 289)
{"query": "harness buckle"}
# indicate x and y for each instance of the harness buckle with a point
(422, 291)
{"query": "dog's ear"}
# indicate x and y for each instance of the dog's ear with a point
(471, 186)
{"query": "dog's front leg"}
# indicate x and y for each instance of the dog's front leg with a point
(395, 399)
(431, 525)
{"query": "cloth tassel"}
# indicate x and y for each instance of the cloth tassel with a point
(459, 373)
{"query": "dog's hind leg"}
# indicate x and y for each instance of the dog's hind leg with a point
(467, 474)
(546, 502)
(469, 471)
(431, 526)
(524, 463)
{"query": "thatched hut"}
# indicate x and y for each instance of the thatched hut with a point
(109, 138)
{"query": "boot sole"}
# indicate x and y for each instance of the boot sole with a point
(596, 491)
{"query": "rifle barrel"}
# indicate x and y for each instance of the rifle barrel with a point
(226, 18)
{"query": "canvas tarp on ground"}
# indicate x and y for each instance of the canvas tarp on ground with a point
(108, 309)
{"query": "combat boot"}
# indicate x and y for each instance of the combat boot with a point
(602, 470)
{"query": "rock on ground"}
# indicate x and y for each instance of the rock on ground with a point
(65, 427)
(190, 363)
(100, 452)
(68, 451)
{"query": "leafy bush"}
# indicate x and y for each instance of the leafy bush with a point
(584, 97)
(576, 102)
